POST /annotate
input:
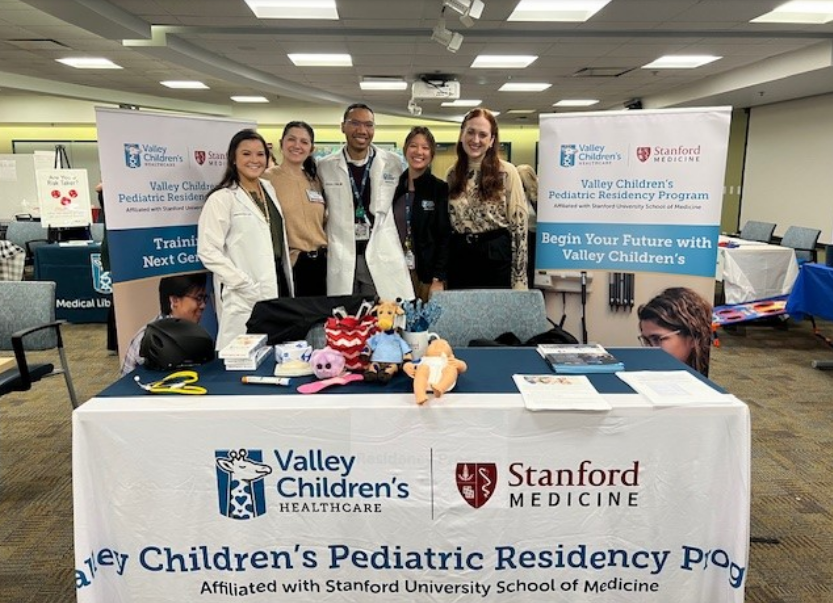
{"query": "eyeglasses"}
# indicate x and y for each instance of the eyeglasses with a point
(200, 299)
(654, 341)
(355, 124)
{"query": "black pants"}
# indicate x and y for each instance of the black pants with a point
(480, 261)
(310, 273)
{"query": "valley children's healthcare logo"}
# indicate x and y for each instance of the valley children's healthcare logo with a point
(240, 486)
(476, 482)
(643, 153)
(102, 282)
(568, 155)
(132, 155)
(199, 157)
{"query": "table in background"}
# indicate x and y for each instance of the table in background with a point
(83, 289)
(753, 270)
(473, 476)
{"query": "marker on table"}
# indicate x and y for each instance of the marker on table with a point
(265, 380)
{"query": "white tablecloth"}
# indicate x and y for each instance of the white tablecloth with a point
(755, 270)
(372, 498)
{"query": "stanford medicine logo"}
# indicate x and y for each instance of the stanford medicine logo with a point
(199, 157)
(132, 155)
(240, 487)
(476, 482)
(643, 153)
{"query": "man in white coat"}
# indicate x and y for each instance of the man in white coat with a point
(365, 254)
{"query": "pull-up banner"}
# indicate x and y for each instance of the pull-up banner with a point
(632, 191)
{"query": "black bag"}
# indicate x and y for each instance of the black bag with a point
(555, 335)
(291, 318)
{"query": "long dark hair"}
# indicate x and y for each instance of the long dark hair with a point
(681, 309)
(491, 182)
(310, 167)
(421, 131)
(231, 176)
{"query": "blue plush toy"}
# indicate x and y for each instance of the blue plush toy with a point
(386, 349)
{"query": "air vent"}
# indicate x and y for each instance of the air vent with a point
(602, 71)
(38, 44)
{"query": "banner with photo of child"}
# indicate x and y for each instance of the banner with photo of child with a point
(633, 199)
(157, 170)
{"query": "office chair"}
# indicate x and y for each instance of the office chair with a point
(27, 323)
(488, 313)
(803, 240)
(757, 231)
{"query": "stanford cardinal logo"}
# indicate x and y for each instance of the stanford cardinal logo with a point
(199, 156)
(642, 153)
(476, 482)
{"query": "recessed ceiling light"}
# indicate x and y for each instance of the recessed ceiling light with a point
(520, 111)
(681, 61)
(495, 61)
(250, 99)
(185, 85)
(799, 11)
(89, 63)
(556, 10)
(461, 102)
(383, 83)
(519, 87)
(576, 102)
(293, 9)
(321, 60)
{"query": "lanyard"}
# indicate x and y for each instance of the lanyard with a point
(358, 193)
(409, 200)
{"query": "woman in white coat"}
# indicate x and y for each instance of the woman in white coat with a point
(241, 237)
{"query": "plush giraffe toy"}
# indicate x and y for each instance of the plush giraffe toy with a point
(386, 349)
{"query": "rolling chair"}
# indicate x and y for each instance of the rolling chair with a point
(27, 323)
(487, 313)
(757, 231)
(803, 240)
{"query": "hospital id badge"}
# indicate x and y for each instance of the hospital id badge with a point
(410, 260)
(313, 196)
(362, 231)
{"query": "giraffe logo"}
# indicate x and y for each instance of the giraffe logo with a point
(240, 476)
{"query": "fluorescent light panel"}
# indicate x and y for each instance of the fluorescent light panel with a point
(321, 60)
(249, 99)
(799, 11)
(520, 111)
(293, 9)
(89, 63)
(184, 85)
(383, 83)
(460, 102)
(496, 61)
(576, 102)
(671, 61)
(521, 87)
(556, 10)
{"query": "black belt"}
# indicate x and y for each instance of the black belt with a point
(315, 254)
(473, 238)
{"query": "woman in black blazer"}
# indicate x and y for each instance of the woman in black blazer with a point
(420, 210)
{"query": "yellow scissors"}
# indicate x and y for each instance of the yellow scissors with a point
(175, 383)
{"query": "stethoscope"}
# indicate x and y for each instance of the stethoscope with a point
(175, 383)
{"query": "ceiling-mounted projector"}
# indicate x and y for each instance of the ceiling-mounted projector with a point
(439, 90)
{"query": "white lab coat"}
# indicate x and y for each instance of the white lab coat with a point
(384, 254)
(234, 242)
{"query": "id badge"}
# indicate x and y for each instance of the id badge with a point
(410, 260)
(314, 196)
(362, 231)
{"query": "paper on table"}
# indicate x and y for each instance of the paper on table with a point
(672, 388)
(559, 392)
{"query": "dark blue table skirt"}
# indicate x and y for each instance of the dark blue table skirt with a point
(82, 289)
(489, 371)
(812, 293)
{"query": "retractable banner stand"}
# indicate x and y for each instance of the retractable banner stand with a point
(156, 170)
(627, 192)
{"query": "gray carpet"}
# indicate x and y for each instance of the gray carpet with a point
(769, 368)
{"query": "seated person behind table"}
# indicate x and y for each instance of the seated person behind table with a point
(181, 296)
